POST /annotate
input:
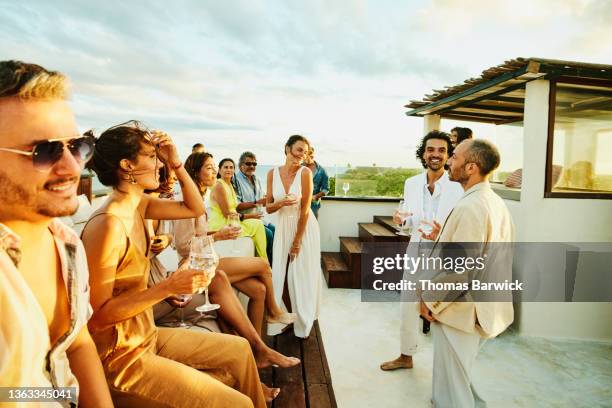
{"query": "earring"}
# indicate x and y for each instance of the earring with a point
(131, 178)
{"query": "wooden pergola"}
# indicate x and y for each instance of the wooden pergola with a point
(498, 95)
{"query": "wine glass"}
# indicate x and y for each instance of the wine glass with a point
(345, 188)
(233, 221)
(203, 257)
(404, 212)
(426, 223)
(291, 196)
(184, 299)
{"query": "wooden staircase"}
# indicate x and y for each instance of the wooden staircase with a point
(343, 269)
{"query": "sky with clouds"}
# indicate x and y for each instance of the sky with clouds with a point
(238, 75)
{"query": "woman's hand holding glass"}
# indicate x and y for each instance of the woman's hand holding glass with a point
(186, 281)
(227, 233)
(289, 199)
(233, 221)
(160, 242)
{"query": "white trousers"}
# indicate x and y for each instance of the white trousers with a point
(409, 327)
(454, 355)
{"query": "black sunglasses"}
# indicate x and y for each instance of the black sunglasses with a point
(250, 164)
(46, 154)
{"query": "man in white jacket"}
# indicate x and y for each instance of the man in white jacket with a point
(430, 192)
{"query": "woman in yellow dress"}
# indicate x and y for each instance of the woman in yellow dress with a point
(223, 202)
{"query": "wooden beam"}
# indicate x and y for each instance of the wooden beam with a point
(469, 110)
(469, 119)
(470, 91)
(508, 99)
(498, 108)
(483, 97)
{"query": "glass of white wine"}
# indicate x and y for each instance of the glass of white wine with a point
(203, 257)
(426, 224)
(404, 212)
(345, 188)
(233, 221)
(293, 208)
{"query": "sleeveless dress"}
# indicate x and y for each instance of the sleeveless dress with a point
(251, 227)
(146, 366)
(304, 273)
(122, 345)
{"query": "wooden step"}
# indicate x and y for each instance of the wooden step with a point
(387, 222)
(372, 232)
(308, 384)
(351, 249)
(336, 272)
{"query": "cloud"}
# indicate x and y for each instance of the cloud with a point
(250, 72)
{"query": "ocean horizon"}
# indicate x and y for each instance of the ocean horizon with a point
(260, 173)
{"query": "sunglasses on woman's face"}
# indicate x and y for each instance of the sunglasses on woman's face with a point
(45, 154)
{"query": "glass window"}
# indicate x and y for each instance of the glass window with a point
(582, 140)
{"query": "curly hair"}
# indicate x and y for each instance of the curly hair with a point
(434, 134)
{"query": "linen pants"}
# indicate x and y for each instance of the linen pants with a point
(454, 355)
(172, 376)
(409, 327)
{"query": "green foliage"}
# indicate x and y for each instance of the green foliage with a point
(332, 186)
(373, 181)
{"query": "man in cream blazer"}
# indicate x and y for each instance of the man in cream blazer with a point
(431, 190)
(458, 322)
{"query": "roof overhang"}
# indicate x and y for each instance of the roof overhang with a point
(498, 95)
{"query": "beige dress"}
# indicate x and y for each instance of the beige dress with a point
(150, 367)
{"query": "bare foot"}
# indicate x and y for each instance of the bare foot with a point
(266, 357)
(403, 361)
(269, 393)
(284, 318)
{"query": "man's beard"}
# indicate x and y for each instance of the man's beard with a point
(440, 165)
(15, 195)
(458, 176)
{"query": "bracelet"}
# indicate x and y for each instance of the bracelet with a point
(177, 166)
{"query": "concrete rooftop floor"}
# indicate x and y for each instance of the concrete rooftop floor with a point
(510, 371)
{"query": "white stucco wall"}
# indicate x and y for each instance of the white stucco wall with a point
(556, 220)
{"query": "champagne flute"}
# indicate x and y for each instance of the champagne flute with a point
(233, 221)
(203, 257)
(345, 188)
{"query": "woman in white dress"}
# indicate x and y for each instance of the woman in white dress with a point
(297, 245)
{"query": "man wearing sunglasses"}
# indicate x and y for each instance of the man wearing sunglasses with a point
(44, 292)
(250, 195)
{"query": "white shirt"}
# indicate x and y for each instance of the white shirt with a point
(431, 201)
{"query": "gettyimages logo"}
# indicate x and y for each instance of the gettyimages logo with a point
(492, 272)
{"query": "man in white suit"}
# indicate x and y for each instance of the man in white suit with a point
(429, 192)
(459, 322)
